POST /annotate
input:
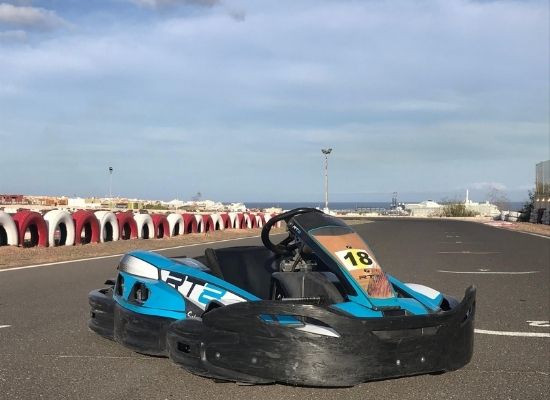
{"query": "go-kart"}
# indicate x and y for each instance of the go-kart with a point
(315, 309)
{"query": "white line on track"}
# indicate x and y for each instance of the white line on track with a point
(489, 272)
(121, 254)
(520, 334)
(4, 326)
(101, 357)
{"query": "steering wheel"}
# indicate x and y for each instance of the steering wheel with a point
(285, 246)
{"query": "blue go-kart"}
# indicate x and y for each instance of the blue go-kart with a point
(315, 309)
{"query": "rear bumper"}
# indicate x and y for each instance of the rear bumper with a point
(233, 343)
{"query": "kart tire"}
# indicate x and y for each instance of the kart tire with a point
(176, 224)
(108, 226)
(62, 220)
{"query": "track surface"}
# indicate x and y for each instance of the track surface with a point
(48, 352)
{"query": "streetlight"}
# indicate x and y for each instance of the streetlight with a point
(326, 152)
(110, 185)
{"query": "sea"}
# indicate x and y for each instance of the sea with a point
(346, 206)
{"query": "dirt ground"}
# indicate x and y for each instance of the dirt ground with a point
(538, 229)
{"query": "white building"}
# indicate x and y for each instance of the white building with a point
(483, 209)
(427, 208)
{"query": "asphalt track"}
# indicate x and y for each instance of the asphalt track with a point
(47, 351)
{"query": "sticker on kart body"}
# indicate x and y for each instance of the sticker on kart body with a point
(198, 292)
(366, 272)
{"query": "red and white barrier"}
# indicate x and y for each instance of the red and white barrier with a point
(86, 227)
(190, 224)
(260, 220)
(162, 227)
(236, 219)
(226, 221)
(217, 221)
(176, 224)
(31, 228)
(145, 226)
(8, 230)
(126, 225)
(246, 222)
(60, 228)
(108, 226)
(204, 223)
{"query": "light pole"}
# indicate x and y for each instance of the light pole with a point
(326, 152)
(110, 186)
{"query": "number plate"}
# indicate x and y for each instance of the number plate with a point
(355, 259)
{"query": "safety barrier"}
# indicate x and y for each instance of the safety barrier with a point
(8, 230)
(190, 223)
(86, 227)
(176, 224)
(217, 222)
(162, 227)
(144, 225)
(60, 228)
(200, 223)
(108, 226)
(31, 228)
(204, 223)
(246, 222)
(226, 221)
(126, 225)
(236, 220)
(260, 220)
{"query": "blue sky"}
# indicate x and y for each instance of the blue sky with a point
(235, 99)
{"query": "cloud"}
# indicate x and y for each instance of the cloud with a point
(29, 17)
(488, 186)
(168, 3)
(236, 14)
(16, 35)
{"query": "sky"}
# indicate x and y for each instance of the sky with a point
(235, 99)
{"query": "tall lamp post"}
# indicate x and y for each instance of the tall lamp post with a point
(326, 152)
(111, 187)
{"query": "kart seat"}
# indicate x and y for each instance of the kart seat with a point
(247, 267)
(300, 284)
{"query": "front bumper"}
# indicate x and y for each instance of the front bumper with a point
(233, 343)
